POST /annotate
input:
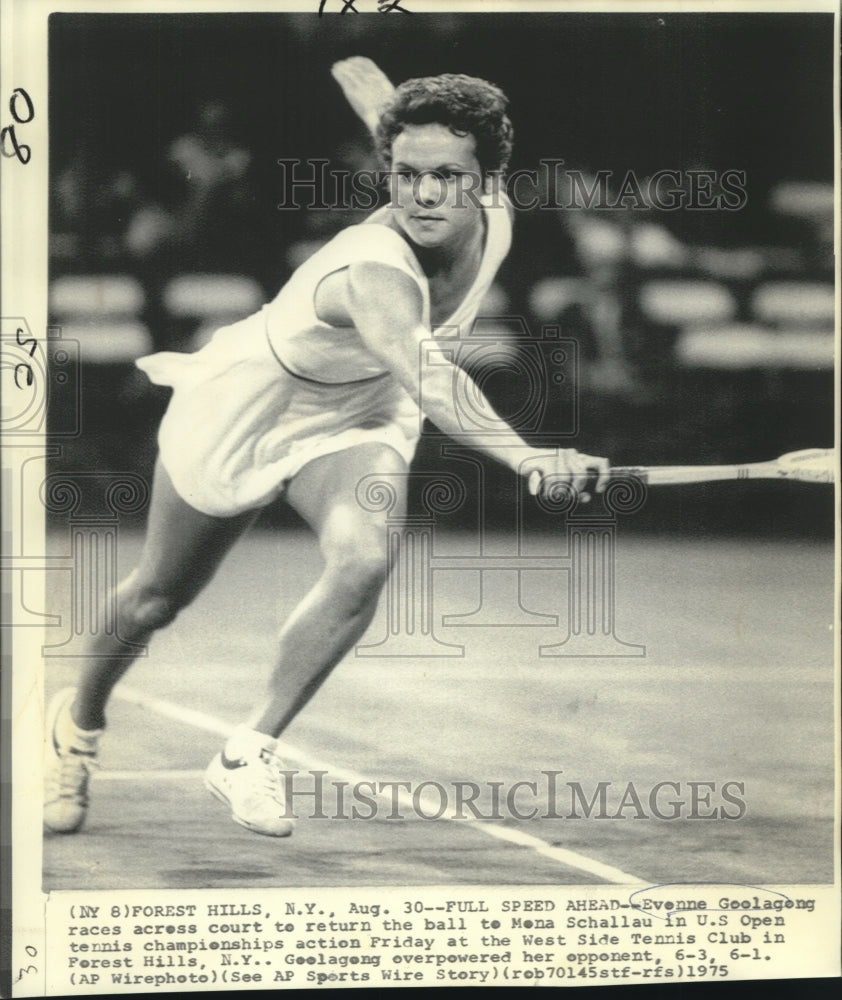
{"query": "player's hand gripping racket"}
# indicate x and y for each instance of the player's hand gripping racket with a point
(811, 465)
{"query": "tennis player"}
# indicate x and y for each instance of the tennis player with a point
(303, 399)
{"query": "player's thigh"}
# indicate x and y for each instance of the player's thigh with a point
(347, 496)
(183, 547)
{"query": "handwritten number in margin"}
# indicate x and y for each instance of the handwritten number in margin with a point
(30, 375)
(23, 343)
(20, 150)
(32, 952)
(383, 7)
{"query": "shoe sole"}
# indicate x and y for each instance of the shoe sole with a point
(219, 794)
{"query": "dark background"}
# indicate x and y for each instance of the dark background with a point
(636, 91)
(642, 92)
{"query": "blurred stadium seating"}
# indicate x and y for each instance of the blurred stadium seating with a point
(205, 302)
(746, 345)
(800, 304)
(102, 312)
(679, 302)
(791, 327)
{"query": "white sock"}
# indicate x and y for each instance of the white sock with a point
(86, 740)
(244, 743)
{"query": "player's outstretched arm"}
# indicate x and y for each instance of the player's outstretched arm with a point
(386, 306)
(365, 86)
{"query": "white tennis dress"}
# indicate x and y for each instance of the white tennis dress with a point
(272, 392)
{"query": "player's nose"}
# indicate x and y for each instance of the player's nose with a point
(428, 189)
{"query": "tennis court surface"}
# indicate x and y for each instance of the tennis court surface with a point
(734, 697)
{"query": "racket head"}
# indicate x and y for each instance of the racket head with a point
(809, 465)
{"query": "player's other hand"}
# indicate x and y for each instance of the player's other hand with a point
(365, 86)
(566, 465)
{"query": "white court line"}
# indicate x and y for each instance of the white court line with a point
(212, 724)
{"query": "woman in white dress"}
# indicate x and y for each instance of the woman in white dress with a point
(303, 399)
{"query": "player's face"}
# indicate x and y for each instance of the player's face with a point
(436, 185)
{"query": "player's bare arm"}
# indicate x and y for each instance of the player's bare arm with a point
(386, 306)
(365, 86)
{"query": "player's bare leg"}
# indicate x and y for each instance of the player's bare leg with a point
(182, 550)
(318, 633)
(339, 608)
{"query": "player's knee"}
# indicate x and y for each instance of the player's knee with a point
(359, 569)
(151, 608)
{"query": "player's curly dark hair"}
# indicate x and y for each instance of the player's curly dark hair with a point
(465, 104)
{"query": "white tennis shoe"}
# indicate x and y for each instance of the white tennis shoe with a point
(71, 755)
(246, 775)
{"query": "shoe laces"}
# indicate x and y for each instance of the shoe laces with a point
(70, 779)
(268, 777)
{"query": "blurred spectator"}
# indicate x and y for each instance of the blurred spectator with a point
(594, 254)
(808, 205)
(67, 213)
(348, 206)
(90, 214)
(216, 210)
(118, 201)
(204, 217)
